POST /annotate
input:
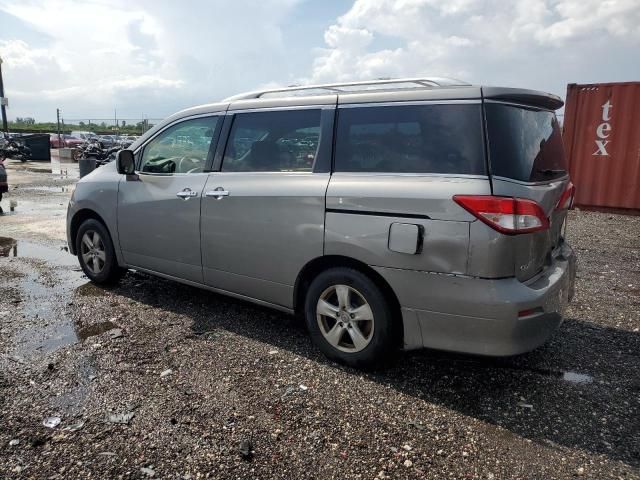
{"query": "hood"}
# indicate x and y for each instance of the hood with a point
(100, 173)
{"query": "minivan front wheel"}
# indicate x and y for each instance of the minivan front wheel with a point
(349, 319)
(96, 253)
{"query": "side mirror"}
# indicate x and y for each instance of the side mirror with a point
(125, 162)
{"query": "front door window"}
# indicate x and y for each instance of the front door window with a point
(182, 148)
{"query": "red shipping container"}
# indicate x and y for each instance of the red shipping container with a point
(602, 141)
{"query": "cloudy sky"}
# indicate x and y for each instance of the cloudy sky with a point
(153, 58)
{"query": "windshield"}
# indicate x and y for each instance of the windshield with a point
(524, 144)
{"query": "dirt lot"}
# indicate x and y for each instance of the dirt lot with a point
(153, 378)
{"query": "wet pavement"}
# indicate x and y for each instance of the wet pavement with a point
(153, 377)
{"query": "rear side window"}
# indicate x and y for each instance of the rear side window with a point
(279, 141)
(524, 144)
(411, 139)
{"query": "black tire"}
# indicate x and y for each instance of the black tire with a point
(383, 341)
(110, 272)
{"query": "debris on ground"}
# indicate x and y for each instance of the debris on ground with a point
(51, 422)
(123, 418)
(74, 426)
(149, 472)
(246, 449)
(115, 333)
(355, 424)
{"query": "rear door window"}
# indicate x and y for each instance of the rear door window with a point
(443, 139)
(524, 144)
(278, 141)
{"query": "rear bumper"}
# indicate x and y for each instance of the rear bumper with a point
(481, 316)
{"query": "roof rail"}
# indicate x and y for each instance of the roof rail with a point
(350, 87)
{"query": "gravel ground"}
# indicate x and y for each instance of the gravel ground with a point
(157, 379)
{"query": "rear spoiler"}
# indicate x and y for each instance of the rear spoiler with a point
(531, 98)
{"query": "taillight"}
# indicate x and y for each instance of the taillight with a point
(507, 215)
(566, 199)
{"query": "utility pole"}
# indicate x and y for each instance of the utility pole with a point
(3, 102)
(58, 121)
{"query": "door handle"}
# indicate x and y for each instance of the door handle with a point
(186, 194)
(218, 193)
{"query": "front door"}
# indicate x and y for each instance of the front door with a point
(159, 208)
(263, 212)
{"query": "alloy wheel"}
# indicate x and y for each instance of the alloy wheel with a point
(93, 251)
(345, 318)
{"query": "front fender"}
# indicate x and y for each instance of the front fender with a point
(97, 195)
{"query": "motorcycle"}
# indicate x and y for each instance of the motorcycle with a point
(12, 148)
(96, 150)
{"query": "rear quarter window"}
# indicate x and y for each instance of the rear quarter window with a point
(444, 139)
(524, 144)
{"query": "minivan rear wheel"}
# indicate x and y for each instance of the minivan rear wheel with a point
(349, 318)
(96, 253)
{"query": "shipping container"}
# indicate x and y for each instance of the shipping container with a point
(602, 142)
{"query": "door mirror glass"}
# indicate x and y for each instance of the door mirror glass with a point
(125, 162)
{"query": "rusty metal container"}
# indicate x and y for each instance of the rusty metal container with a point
(602, 142)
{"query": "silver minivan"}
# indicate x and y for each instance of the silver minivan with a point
(391, 214)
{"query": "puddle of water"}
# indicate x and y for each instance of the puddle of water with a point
(43, 306)
(45, 292)
(95, 329)
(71, 402)
(38, 170)
(51, 209)
(45, 338)
(63, 189)
(10, 247)
(69, 170)
(574, 377)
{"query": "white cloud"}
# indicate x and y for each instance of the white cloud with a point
(139, 55)
(531, 43)
(145, 56)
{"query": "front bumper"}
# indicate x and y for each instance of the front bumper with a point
(71, 211)
(481, 316)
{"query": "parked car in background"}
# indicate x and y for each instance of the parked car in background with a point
(83, 135)
(107, 141)
(66, 141)
(388, 214)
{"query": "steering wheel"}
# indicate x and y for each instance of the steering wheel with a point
(191, 160)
